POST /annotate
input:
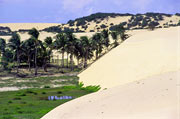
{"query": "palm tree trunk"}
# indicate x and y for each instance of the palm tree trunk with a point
(67, 60)
(78, 61)
(85, 60)
(97, 54)
(29, 62)
(45, 65)
(18, 61)
(62, 60)
(71, 60)
(35, 60)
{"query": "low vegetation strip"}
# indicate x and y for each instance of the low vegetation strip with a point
(39, 82)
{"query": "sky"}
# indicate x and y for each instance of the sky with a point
(61, 11)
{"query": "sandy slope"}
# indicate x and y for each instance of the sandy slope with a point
(141, 56)
(144, 76)
(154, 98)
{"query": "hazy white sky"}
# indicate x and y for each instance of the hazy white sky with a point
(60, 11)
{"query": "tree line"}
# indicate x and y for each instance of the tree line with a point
(36, 53)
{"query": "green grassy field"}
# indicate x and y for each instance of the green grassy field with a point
(34, 103)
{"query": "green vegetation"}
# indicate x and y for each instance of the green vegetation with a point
(178, 23)
(82, 21)
(33, 53)
(34, 103)
(5, 31)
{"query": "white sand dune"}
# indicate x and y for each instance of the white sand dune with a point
(143, 80)
(17, 26)
(142, 55)
(154, 98)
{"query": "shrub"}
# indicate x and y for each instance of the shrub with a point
(91, 30)
(10, 101)
(29, 91)
(17, 98)
(111, 24)
(55, 29)
(144, 23)
(23, 94)
(91, 88)
(103, 26)
(177, 14)
(178, 23)
(81, 22)
(47, 87)
(43, 92)
(59, 92)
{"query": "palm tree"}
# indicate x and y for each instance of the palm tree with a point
(34, 35)
(29, 48)
(97, 44)
(87, 49)
(115, 38)
(105, 35)
(78, 52)
(2, 48)
(71, 42)
(47, 47)
(60, 44)
(15, 45)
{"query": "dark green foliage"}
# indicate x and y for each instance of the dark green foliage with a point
(144, 23)
(177, 14)
(55, 29)
(43, 92)
(46, 86)
(178, 23)
(152, 25)
(82, 21)
(6, 60)
(103, 26)
(91, 30)
(5, 31)
(111, 24)
(24, 30)
(151, 14)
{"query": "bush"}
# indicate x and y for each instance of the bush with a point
(111, 24)
(10, 101)
(81, 22)
(47, 87)
(91, 88)
(55, 29)
(43, 92)
(29, 91)
(17, 98)
(144, 23)
(103, 26)
(23, 94)
(178, 23)
(177, 14)
(59, 92)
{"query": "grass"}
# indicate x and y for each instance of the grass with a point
(34, 103)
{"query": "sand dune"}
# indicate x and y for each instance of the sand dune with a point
(142, 55)
(17, 26)
(154, 98)
(143, 80)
